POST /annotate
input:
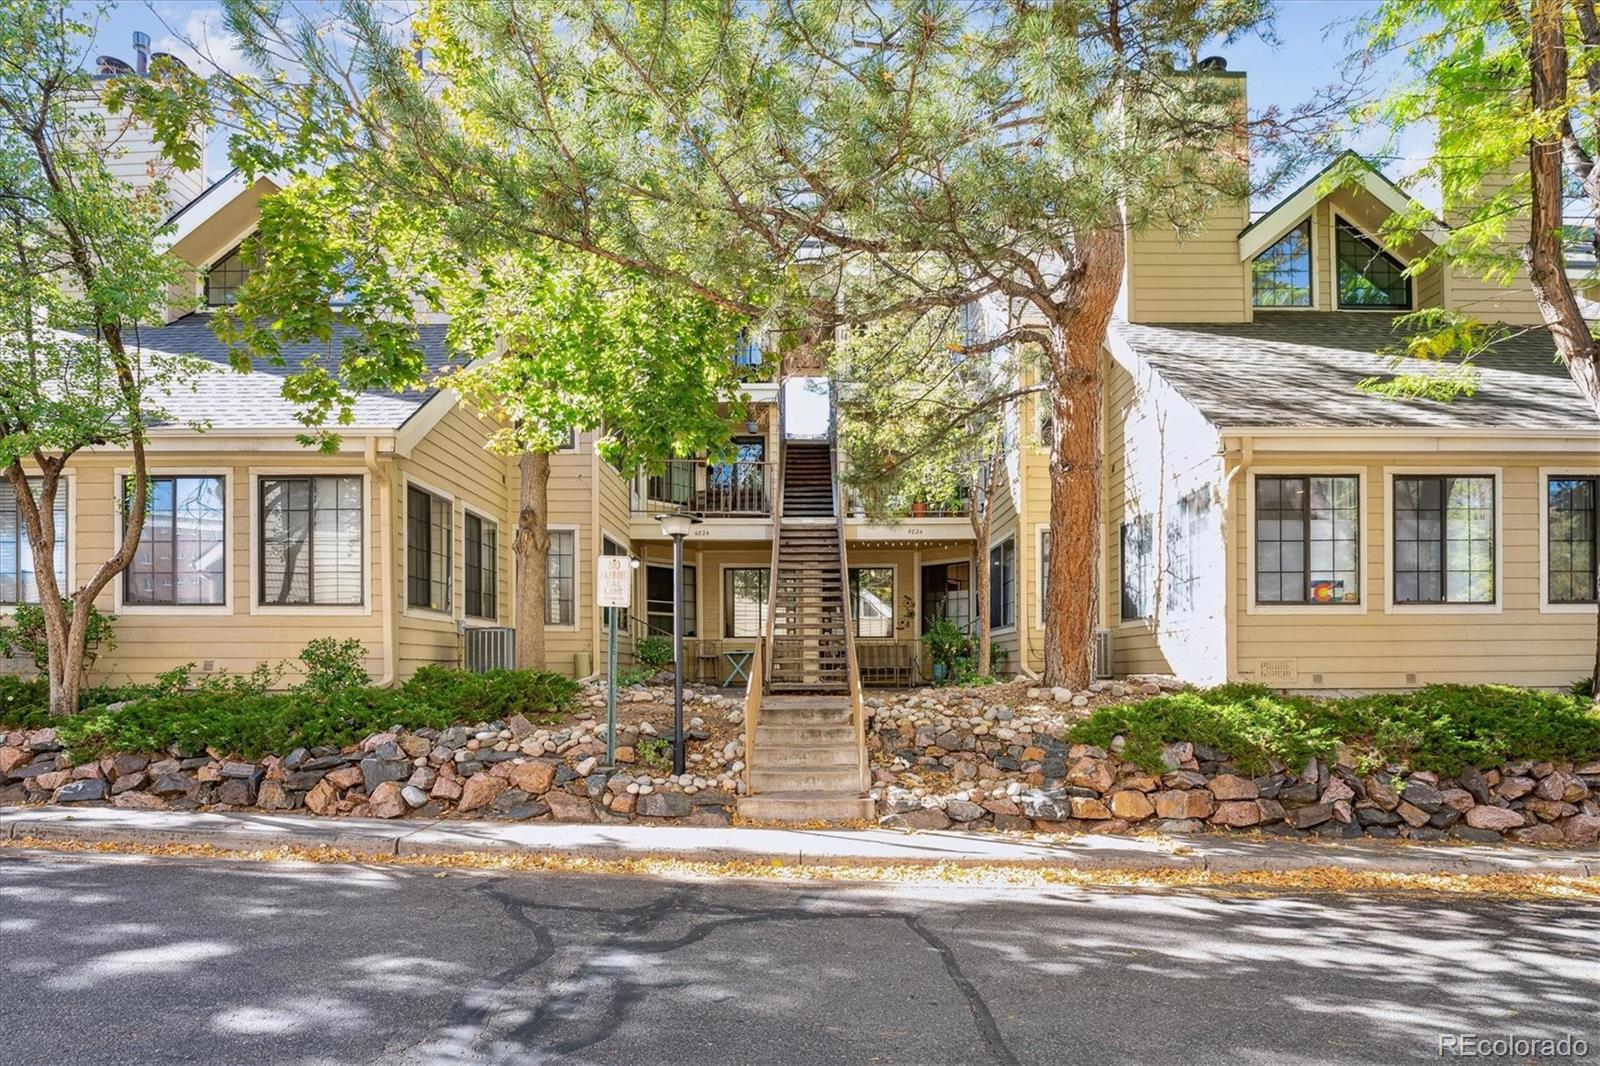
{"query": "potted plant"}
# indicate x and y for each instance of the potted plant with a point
(947, 647)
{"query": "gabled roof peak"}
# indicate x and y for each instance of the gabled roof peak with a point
(1261, 233)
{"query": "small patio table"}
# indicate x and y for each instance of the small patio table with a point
(738, 667)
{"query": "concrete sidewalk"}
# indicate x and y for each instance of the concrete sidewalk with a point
(248, 831)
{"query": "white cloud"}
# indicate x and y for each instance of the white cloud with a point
(199, 38)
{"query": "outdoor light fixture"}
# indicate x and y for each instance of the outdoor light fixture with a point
(677, 524)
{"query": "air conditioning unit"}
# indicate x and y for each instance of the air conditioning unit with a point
(1102, 654)
(490, 648)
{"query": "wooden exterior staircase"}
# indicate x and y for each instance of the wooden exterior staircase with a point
(805, 736)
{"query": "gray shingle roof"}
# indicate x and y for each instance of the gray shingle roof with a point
(1300, 368)
(228, 399)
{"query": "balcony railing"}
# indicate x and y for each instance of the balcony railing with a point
(712, 490)
(901, 507)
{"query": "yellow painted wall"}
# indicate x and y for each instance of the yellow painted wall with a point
(1513, 643)
(150, 640)
(452, 461)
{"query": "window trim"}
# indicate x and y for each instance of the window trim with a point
(722, 596)
(1363, 519)
(1041, 530)
(691, 604)
(449, 610)
(1545, 474)
(229, 532)
(68, 543)
(577, 580)
(1016, 561)
(1389, 605)
(1309, 220)
(894, 602)
(256, 475)
(482, 516)
(1337, 217)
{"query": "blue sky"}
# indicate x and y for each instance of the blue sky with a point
(1313, 46)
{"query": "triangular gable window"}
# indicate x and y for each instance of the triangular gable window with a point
(1283, 271)
(1368, 275)
(224, 278)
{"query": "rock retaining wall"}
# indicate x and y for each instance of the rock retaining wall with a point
(509, 770)
(947, 758)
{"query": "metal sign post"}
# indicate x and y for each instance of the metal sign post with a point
(615, 588)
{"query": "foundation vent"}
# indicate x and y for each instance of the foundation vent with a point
(1269, 671)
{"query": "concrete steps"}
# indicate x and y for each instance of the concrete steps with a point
(805, 766)
(806, 807)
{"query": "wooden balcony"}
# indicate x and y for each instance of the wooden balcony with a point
(711, 490)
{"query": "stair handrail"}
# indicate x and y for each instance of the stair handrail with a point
(858, 719)
(752, 710)
(765, 648)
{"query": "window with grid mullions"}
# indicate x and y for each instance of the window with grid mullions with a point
(1308, 539)
(1369, 276)
(428, 521)
(1572, 529)
(1444, 539)
(481, 567)
(310, 541)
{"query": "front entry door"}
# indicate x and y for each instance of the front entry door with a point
(947, 593)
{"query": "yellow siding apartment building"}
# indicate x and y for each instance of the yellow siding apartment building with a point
(1263, 519)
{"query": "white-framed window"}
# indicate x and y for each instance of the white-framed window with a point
(1282, 274)
(18, 580)
(1308, 539)
(1003, 584)
(1137, 569)
(1571, 521)
(658, 600)
(1444, 539)
(430, 522)
(481, 567)
(1044, 572)
(310, 540)
(744, 601)
(181, 560)
(561, 579)
(872, 600)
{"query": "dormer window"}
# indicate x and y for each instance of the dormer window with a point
(1369, 277)
(224, 278)
(1283, 271)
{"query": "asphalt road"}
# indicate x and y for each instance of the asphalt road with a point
(129, 960)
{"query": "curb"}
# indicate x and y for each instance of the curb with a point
(794, 847)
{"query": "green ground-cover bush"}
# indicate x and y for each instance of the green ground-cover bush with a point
(1442, 728)
(238, 718)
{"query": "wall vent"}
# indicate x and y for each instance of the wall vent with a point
(490, 648)
(1271, 670)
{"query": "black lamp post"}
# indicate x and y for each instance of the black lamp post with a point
(677, 525)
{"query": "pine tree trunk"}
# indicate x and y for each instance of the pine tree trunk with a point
(1073, 588)
(531, 548)
(1547, 176)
